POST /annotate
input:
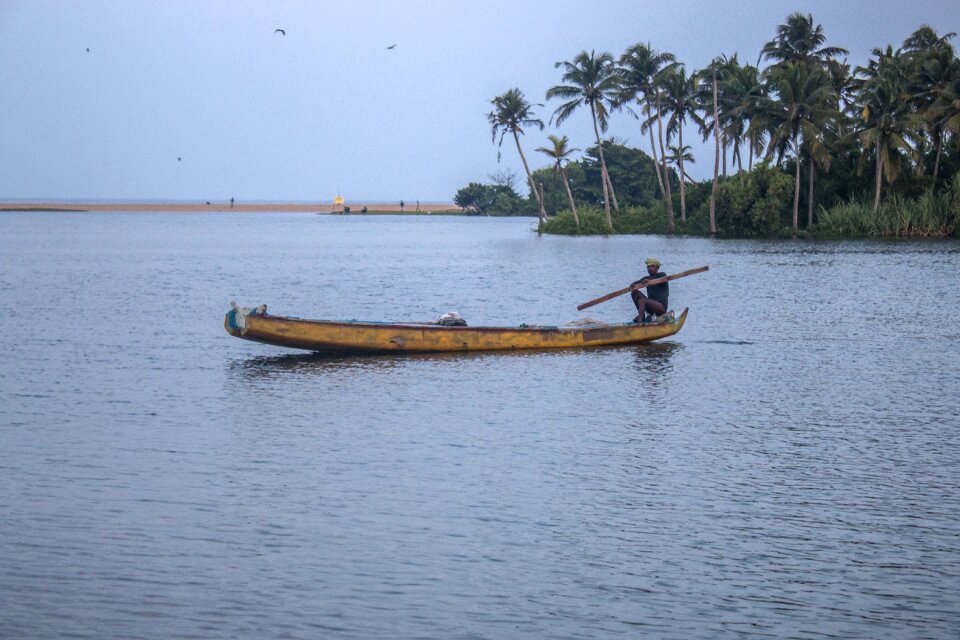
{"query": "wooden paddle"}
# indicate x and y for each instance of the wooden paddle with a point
(620, 292)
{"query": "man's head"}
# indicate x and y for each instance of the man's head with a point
(653, 265)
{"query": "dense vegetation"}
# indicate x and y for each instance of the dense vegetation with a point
(805, 141)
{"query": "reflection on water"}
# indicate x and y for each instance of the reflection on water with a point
(785, 466)
(654, 355)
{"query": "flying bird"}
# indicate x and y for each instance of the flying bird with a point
(88, 49)
(280, 31)
(391, 46)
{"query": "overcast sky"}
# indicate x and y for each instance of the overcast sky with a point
(204, 100)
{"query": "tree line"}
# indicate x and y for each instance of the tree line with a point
(808, 112)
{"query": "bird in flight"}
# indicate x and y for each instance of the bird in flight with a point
(391, 46)
(280, 31)
(88, 49)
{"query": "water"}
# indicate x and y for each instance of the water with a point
(786, 466)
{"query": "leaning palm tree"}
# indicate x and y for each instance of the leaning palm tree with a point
(511, 112)
(638, 69)
(559, 153)
(592, 81)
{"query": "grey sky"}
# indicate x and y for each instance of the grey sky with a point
(203, 101)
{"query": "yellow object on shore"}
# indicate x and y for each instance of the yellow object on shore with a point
(412, 337)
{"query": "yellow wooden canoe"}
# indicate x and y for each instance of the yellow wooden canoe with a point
(392, 337)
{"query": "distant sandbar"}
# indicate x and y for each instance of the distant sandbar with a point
(353, 208)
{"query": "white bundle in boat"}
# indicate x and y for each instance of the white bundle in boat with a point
(451, 319)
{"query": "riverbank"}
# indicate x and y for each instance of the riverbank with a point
(226, 207)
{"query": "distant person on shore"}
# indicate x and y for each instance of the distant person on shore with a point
(418, 206)
(655, 302)
(401, 206)
(231, 203)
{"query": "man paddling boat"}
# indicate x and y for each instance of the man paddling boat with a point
(655, 302)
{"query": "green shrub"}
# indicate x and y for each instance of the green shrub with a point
(755, 206)
(593, 222)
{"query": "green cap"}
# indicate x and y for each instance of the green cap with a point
(652, 262)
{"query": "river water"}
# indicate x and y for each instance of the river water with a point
(788, 465)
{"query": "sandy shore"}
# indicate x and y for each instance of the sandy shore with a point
(428, 207)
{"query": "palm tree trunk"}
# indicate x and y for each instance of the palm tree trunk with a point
(936, 163)
(750, 159)
(683, 191)
(656, 164)
(603, 169)
(663, 158)
(739, 158)
(796, 185)
(725, 155)
(613, 195)
(813, 173)
(716, 155)
(573, 206)
(533, 187)
(876, 197)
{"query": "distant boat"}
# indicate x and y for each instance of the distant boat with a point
(353, 336)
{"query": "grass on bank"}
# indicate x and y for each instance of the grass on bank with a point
(767, 213)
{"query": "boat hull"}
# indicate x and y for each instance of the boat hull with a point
(373, 337)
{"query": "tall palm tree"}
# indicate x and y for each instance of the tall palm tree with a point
(805, 104)
(681, 101)
(933, 67)
(638, 69)
(716, 156)
(511, 112)
(926, 38)
(592, 81)
(800, 40)
(888, 121)
(799, 117)
(756, 108)
(817, 150)
(741, 90)
(946, 109)
(560, 153)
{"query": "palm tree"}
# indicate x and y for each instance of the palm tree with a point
(756, 109)
(926, 38)
(511, 112)
(818, 152)
(933, 68)
(638, 69)
(681, 102)
(559, 152)
(592, 81)
(800, 40)
(888, 121)
(677, 155)
(803, 76)
(716, 156)
(805, 104)
(946, 109)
